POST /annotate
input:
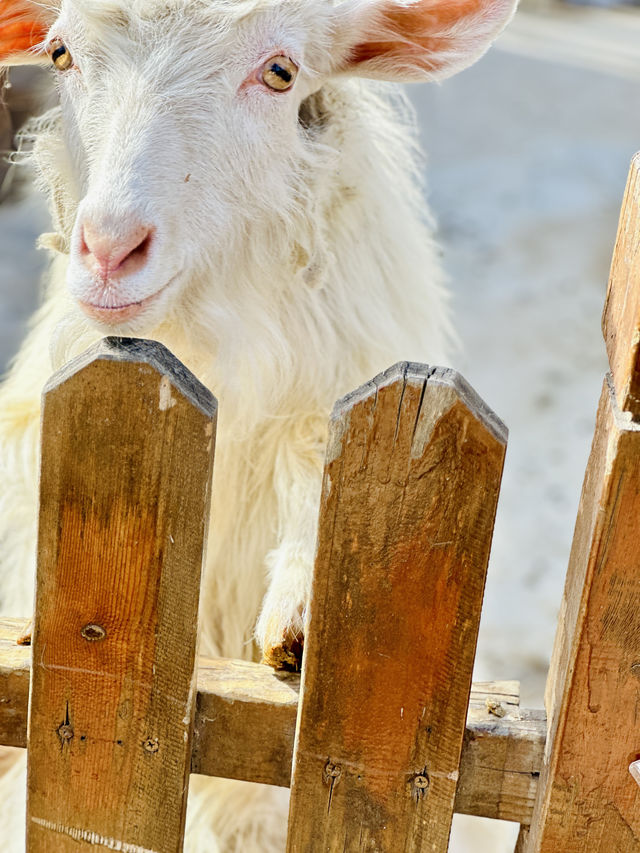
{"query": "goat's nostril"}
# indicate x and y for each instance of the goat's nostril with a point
(142, 249)
(109, 255)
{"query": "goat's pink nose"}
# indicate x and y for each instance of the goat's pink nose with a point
(111, 257)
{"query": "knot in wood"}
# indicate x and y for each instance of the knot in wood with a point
(65, 732)
(332, 772)
(635, 669)
(93, 633)
(151, 745)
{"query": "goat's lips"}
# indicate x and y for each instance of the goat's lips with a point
(112, 316)
(115, 314)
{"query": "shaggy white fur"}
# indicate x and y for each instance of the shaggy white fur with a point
(292, 259)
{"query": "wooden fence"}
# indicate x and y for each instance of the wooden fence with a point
(384, 737)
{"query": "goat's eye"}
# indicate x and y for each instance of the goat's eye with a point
(60, 55)
(279, 73)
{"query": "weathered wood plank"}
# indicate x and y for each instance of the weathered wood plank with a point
(413, 470)
(621, 318)
(15, 675)
(500, 764)
(245, 721)
(246, 717)
(127, 454)
(523, 840)
(587, 801)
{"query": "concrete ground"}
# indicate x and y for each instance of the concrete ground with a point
(528, 156)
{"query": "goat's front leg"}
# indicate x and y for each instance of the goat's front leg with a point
(297, 483)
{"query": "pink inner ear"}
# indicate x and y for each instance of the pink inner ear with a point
(421, 35)
(20, 29)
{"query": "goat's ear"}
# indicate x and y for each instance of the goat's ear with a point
(421, 40)
(23, 26)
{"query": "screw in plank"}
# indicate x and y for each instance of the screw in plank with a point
(65, 732)
(93, 633)
(151, 745)
(419, 786)
(331, 773)
(65, 729)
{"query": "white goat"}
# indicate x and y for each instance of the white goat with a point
(222, 182)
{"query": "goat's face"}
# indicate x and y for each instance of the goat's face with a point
(184, 132)
(182, 120)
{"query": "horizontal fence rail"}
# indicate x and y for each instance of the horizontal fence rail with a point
(245, 722)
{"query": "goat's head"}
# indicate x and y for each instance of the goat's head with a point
(182, 118)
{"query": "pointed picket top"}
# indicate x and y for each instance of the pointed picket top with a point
(141, 351)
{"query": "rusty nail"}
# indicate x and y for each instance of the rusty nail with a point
(151, 744)
(93, 633)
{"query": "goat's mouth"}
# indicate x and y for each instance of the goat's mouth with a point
(115, 315)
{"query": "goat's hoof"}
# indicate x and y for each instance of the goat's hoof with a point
(287, 655)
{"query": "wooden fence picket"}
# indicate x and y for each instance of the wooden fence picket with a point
(411, 482)
(127, 453)
(587, 800)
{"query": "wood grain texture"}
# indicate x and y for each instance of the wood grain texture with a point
(621, 318)
(246, 717)
(127, 452)
(413, 469)
(588, 802)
